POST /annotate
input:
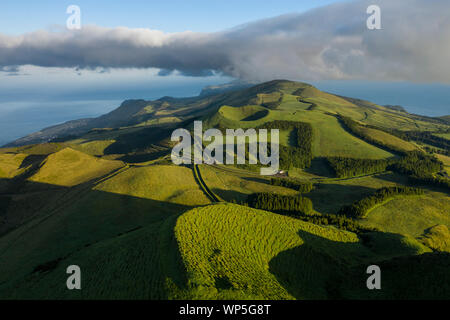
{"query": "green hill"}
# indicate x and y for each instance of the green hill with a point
(11, 164)
(217, 252)
(159, 182)
(69, 167)
(103, 194)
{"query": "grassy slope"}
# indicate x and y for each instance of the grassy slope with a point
(389, 140)
(411, 215)
(84, 220)
(300, 102)
(443, 135)
(330, 139)
(130, 265)
(174, 184)
(221, 251)
(437, 238)
(231, 251)
(329, 195)
(446, 161)
(234, 184)
(243, 113)
(94, 148)
(84, 217)
(231, 248)
(69, 167)
(10, 164)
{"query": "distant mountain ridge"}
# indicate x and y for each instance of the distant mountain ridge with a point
(141, 112)
(223, 88)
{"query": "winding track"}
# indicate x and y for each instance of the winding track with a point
(203, 186)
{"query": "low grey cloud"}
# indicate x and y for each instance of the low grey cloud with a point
(331, 42)
(11, 70)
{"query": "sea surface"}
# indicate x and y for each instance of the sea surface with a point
(17, 119)
(425, 99)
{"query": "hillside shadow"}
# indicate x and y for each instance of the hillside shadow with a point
(404, 180)
(144, 157)
(141, 141)
(316, 270)
(44, 224)
(256, 116)
(416, 277)
(309, 271)
(36, 197)
(230, 195)
(31, 160)
(292, 138)
(254, 179)
(320, 167)
(393, 177)
(329, 198)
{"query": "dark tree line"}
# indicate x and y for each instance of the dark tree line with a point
(430, 180)
(417, 164)
(429, 149)
(412, 163)
(340, 221)
(426, 137)
(355, 128)
(267, 202)
(293, 157)
(280, 203)
(281, 125)
(300, 186)
(300, 155)
(360, 208)
(351, 167)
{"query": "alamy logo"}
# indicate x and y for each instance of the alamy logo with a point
(74, 20)
(374, 20)
(374, 281)
(213, 153)
(74, 280)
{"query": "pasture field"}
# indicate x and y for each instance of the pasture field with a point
(245, 113)
(233, 252)
(93, 148)
(329, 195)
(235, 184)
(329, 137)
(170, 183)
(445, 160)
(109, 268)
(443, 135)
(437, 238)
(67, 229)
(69, 167)
(220, 251)
(10, 164)
(411, 215)
(40, 149)
(389, 140)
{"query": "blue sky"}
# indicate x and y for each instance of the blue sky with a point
(22, 16)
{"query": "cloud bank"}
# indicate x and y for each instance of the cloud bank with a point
(331, 42)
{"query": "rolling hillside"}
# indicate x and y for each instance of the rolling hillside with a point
(69, 167)
(104, 194)
(240, 253)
